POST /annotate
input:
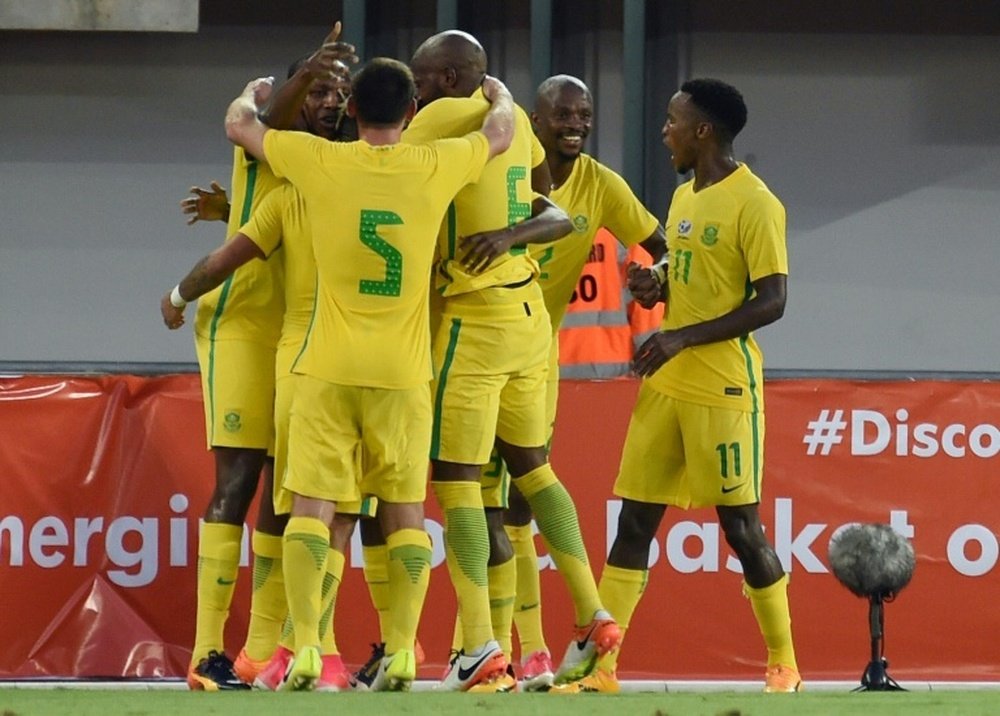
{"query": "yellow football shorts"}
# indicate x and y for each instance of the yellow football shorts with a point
(283, 395)
(494, 478)
(330, 424)
(690, 455)
(491, 363)
(237, 384)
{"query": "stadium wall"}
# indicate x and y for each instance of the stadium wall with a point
(885, 149)
(105, 476)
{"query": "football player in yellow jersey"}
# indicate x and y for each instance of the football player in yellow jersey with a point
(491, 358)
(279, 221)
(696, 435)
(236, 330)
(246, 306)
(375, 207)
(594, 196)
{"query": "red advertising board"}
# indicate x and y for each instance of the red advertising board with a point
(105, 478)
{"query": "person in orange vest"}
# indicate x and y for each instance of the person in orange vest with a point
(603, 325)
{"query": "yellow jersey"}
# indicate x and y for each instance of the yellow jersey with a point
(594, 196)
(374, 213)
(502, 197)
(280, 222)
(719, 240)
(249, 304)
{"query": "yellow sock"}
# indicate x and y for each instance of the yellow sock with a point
(528, 602)
(328, 603)
(409, 567)
(377, 578)
(557, 520)
(467, 550)
(770, 606)
(503, 587)
(268, 606)
(456, 634)
(287, 635)
(620, 591)
(306, 543)
(218, 566)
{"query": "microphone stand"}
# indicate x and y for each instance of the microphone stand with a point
(875, 677)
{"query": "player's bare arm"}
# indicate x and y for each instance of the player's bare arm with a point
(209, 272)
(498, 124)
(547, 223)
(648, 285)
(767, 306)
(331, 61)
(541, 179)
(206, 204)
(243, 128)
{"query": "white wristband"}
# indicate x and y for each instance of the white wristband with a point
(660, 272)
(175, 298)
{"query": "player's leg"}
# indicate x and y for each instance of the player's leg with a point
(650, 477)
(396, 435)
(322, 470)
(537, 671)
(335, 676)
(732, 478)
(376, 572)
(219, 544)
(522, 434)
(465, 408)
(268, 605)
(237, 379)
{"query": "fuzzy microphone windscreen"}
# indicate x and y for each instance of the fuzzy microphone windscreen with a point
(872, 559)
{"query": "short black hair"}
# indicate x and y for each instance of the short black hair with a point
(383, 91)
(722, 102)
(294, 67)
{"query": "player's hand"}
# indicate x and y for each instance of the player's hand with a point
(206, 204)
(643, 285)
(333, 58)
(493, 88)
(657, 350)
(259, 90)
(480, 249)
(173, 317)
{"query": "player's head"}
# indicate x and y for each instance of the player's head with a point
(704, 115)
(382, 93)
(449, 64)
(323, 111)
(563, 115)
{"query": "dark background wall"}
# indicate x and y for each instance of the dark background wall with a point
(875, 125)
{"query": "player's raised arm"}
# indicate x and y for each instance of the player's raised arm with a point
(498, 124)
(243, 128)
(331, 61)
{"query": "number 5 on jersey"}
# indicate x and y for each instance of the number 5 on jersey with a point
(392, 283)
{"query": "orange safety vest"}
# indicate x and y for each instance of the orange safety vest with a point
(603, 325)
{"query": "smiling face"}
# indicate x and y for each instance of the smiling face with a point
(323, 105)
(684, 127)
(563, 119)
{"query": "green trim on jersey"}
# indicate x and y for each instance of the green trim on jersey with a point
(452, 228)
(214, 325)
(755, 413)
(312, 320)
(755, 403)
(449, 356)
